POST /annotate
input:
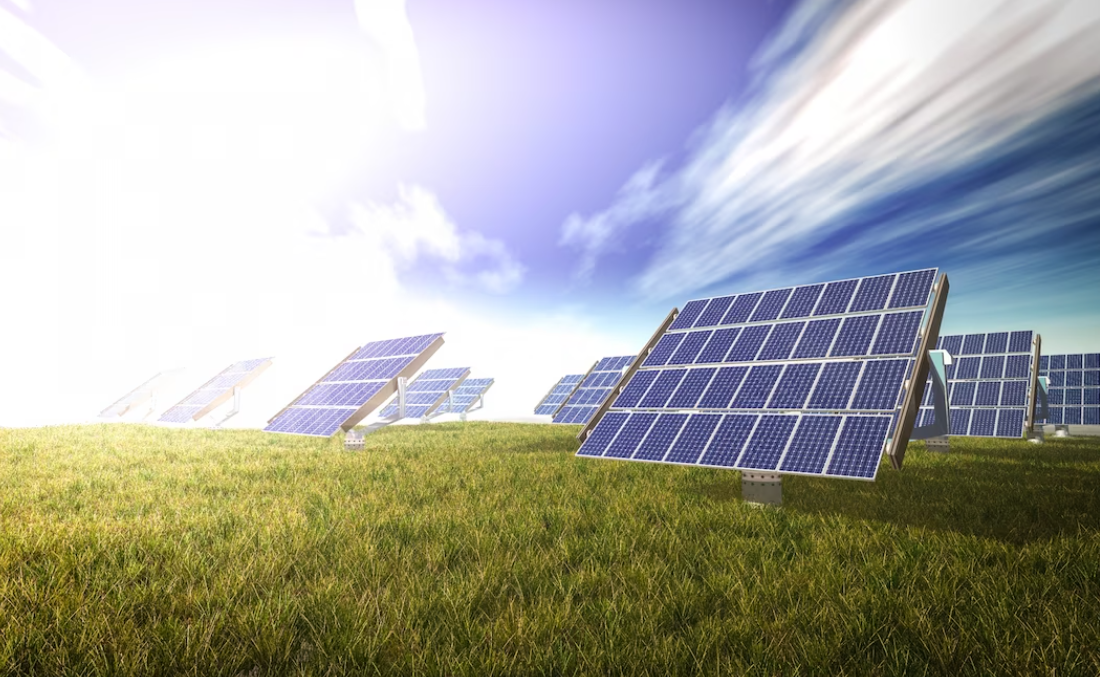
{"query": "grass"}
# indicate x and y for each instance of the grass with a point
(489, 549)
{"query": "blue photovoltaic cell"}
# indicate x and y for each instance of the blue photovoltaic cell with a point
(952, 344)
(429, 385)
(632, 394)
(1092, 361)
(1092, 396)
(794, 386)
(817, 338)
(781, 341)
(836, 297)
(967, 367)
(693, 438)
(690, 347)
(349, 394)
(803, 301)
(996, 342)
(1055, 415)
(1071, 415)
(688, 315)
(722, 388)
(714, 311)
(834, 387)
(811, 444)
(989, 394)
(1010, 423)
(718, 345)
(179, 414)
(757, 387)
(725, 445)
(1092, 378)
(960, 421)
(662, 388)
(601, 379)
(1074, 379)
(1073, 396)
(602, 434)
(1044, 363)
(972, 344)
(1075, 362)
(768, 442)
(993, 367)
(1057, 362)
(413, 345)
(741, 308)
(896, 335)
(983, 422)
(748, 343)
(859, 446)
(663, 350)
(1018, 366)
(319, 422)
(855, 336)
(1054, 396)
(691, 388)
(1056, 379)
(630, 436)
(1014, 394)
(872, 294)
(912, 289)
(381, 369)
(1090, 416)
(771, 305)
(660, 437)
(879, 386)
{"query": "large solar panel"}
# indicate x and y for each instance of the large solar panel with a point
(558, 394)
(427, 392)
(355, 387)
(804, 380)
(1073, 390)
(464, 397)
(215, 392)
(991, 380)
(593, 390)
(139, 395)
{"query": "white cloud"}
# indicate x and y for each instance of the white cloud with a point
(416, 226)
(887, 94)
(387, 23)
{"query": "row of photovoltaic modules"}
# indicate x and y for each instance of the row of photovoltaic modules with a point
(1073, 391)
(989, 384)
(466, 395)
(558, 394)
(223, 382)
(591, 393)
(426, 392)
(136, 396)
(827, 416)
(327, 405)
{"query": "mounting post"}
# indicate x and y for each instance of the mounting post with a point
(1035, 435)
(402, 382)
(354, 440)
(935, 433)
(232, 412)
(763, 488)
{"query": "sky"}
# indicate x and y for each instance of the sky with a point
(188, 184)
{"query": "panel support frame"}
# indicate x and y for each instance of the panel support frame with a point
(761, 487)
(935, 434)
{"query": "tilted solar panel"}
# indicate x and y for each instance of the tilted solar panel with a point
(466, 395)
(558, 394)
(593, 390)
(1073, 389)
(140, 394)
(990, 382)
(427, 392)
(804, 380)
(215, 392)
(355, 387)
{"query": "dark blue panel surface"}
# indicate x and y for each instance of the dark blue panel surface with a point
(996, 343)
(1074, 379)
(811, 444)
(960, 421)
(835, 385)
(1091, 378)
(878, 389)
(1090, 416)
(1010, 423)
(1091, 396)
(855, 336)
(989, 394)
(662, 388)
(722, 388)
(1054, 395)
(719, 344)
(967, 367)
(771, 305)
(631, 435)
(972, 344)
(1014, 394)
(803, 301)
(1092, 361)
(715, 310)
(1057, 362)
(794, 386)
(817, 338)
(757, 387)
(300, 421)
(859, 446)
(693, 439)
(897, 333)
(836, 297)
(768, 442)
(600, 437)
(1071, 415)
(1055, 416)
(952, 344)
(781, 341)
(688, 315)
(983, 422)
(634, 391)
(993, 367)
(912, 289)
(748, 343)
(1072, 396)
(1018, 366)
(691, 388)
(1056, 379)
(725, 446)
(340, 394)
(663, 350)
(872, 293)
(741, 308)
(660, 437)
(1075, 362)
(690, 347)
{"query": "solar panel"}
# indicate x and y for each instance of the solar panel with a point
(992, 383)
(139, 395)
(464, 397)
(427, 392)
(804, 380)
(1073, 392)
(355, 387)
(593, 390)
(557, 396)
(215, 392)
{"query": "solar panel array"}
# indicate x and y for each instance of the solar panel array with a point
(206, 397)
(140, 394)
(558, 395)
(1073, 388)
(465, 395)
(427, 392)
(341, 394)
(591, 393)
(802, 380)
(990, 383)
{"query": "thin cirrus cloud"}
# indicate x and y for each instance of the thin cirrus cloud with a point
(387, 23)
(875, 128)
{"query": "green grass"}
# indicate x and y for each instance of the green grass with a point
(489, 549)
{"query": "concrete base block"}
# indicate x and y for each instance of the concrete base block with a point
(765, 488)
(940, 444)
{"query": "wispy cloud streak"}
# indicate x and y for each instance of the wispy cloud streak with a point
(877, 127)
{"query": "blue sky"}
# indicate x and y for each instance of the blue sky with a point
(195, 183)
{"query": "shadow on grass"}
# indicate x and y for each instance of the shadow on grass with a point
(1011, 491)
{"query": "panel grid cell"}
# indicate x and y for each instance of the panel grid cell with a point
(991, 382)
(596, 387)
(219, 386)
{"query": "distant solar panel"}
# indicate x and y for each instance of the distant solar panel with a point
(466, 395)
(215, 392)
(991, 377)
(355, 387)
(427, 392)
(139, 395)
(1073, 389)
(804, 380)
(597, 385)
(558, 394)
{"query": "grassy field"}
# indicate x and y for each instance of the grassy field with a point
(489, 549)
